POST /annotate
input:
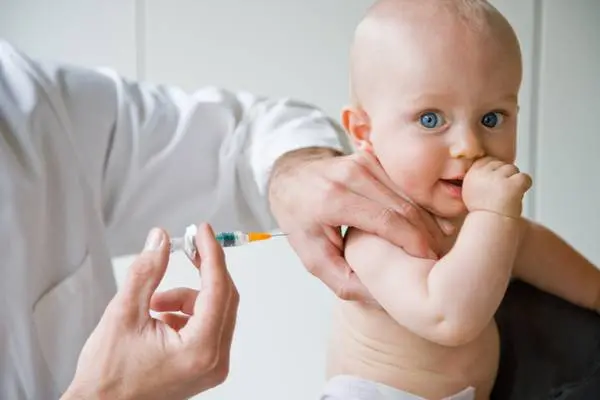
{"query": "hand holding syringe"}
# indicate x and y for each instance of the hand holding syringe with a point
(226, 239)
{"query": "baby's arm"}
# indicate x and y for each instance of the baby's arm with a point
(452, 300)
(449, 301)
(547, 262)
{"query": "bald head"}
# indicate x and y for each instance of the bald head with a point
(472, 12)
(395, 32)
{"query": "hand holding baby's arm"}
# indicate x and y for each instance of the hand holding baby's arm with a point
(451, 301)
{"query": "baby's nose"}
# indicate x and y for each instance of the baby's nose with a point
(467, 144)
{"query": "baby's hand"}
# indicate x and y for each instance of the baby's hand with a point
(492, 185)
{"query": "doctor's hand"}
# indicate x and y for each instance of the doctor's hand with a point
(315, 191)
(131, 355)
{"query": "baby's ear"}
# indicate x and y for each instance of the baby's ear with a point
(358, 126)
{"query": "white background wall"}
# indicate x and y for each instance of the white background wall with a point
(299, 48)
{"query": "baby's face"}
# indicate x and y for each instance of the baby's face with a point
(439, 105)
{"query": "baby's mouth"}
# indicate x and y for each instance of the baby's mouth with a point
(453, 182)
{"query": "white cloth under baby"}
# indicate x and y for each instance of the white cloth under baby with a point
(344, 387)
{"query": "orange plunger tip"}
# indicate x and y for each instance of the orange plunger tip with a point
(256, 236)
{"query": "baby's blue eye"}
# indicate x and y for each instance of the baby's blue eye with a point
(492, 119)
(431, 120)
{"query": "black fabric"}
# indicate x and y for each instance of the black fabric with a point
(550, 349)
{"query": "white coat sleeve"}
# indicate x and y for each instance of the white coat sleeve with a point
(158, 156)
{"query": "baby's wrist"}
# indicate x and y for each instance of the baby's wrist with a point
(500, 213)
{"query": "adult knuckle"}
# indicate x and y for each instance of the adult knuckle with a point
(351, 170)
(321, 199)
(332, 190)
(387, 218)
(409, 211)
(344, 175)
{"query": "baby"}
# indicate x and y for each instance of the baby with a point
(435, 87)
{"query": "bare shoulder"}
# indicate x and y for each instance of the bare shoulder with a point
(369, 254)
(356, 238)
(361, 246)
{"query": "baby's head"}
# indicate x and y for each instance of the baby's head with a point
(434, 86)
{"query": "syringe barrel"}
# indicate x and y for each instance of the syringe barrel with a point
(232, 239)
(226, 239)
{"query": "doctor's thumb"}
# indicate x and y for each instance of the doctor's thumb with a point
(145, 274)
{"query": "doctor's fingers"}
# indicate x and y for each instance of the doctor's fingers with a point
(206, 359)
(437, 227)
(375, 184)
(173, 300)
(218, 295)
(353, 209)
(143, 277)
(383, 210)
(223, 356)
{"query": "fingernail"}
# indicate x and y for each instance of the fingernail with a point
(154, 240)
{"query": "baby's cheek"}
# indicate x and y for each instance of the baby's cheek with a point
(401, 173)
(403, 162)
(411, 175)
(503, 147)
(408, 181)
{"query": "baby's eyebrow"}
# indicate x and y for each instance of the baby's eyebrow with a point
(439, 99)
(510, 99)
(513, 98)
(426, 99)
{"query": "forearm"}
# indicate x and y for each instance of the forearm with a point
(466, 286)
(449, 301)
(552, 265)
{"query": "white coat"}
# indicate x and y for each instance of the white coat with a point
(89, 162)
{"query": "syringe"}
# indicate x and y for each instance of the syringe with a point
(226, 239)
